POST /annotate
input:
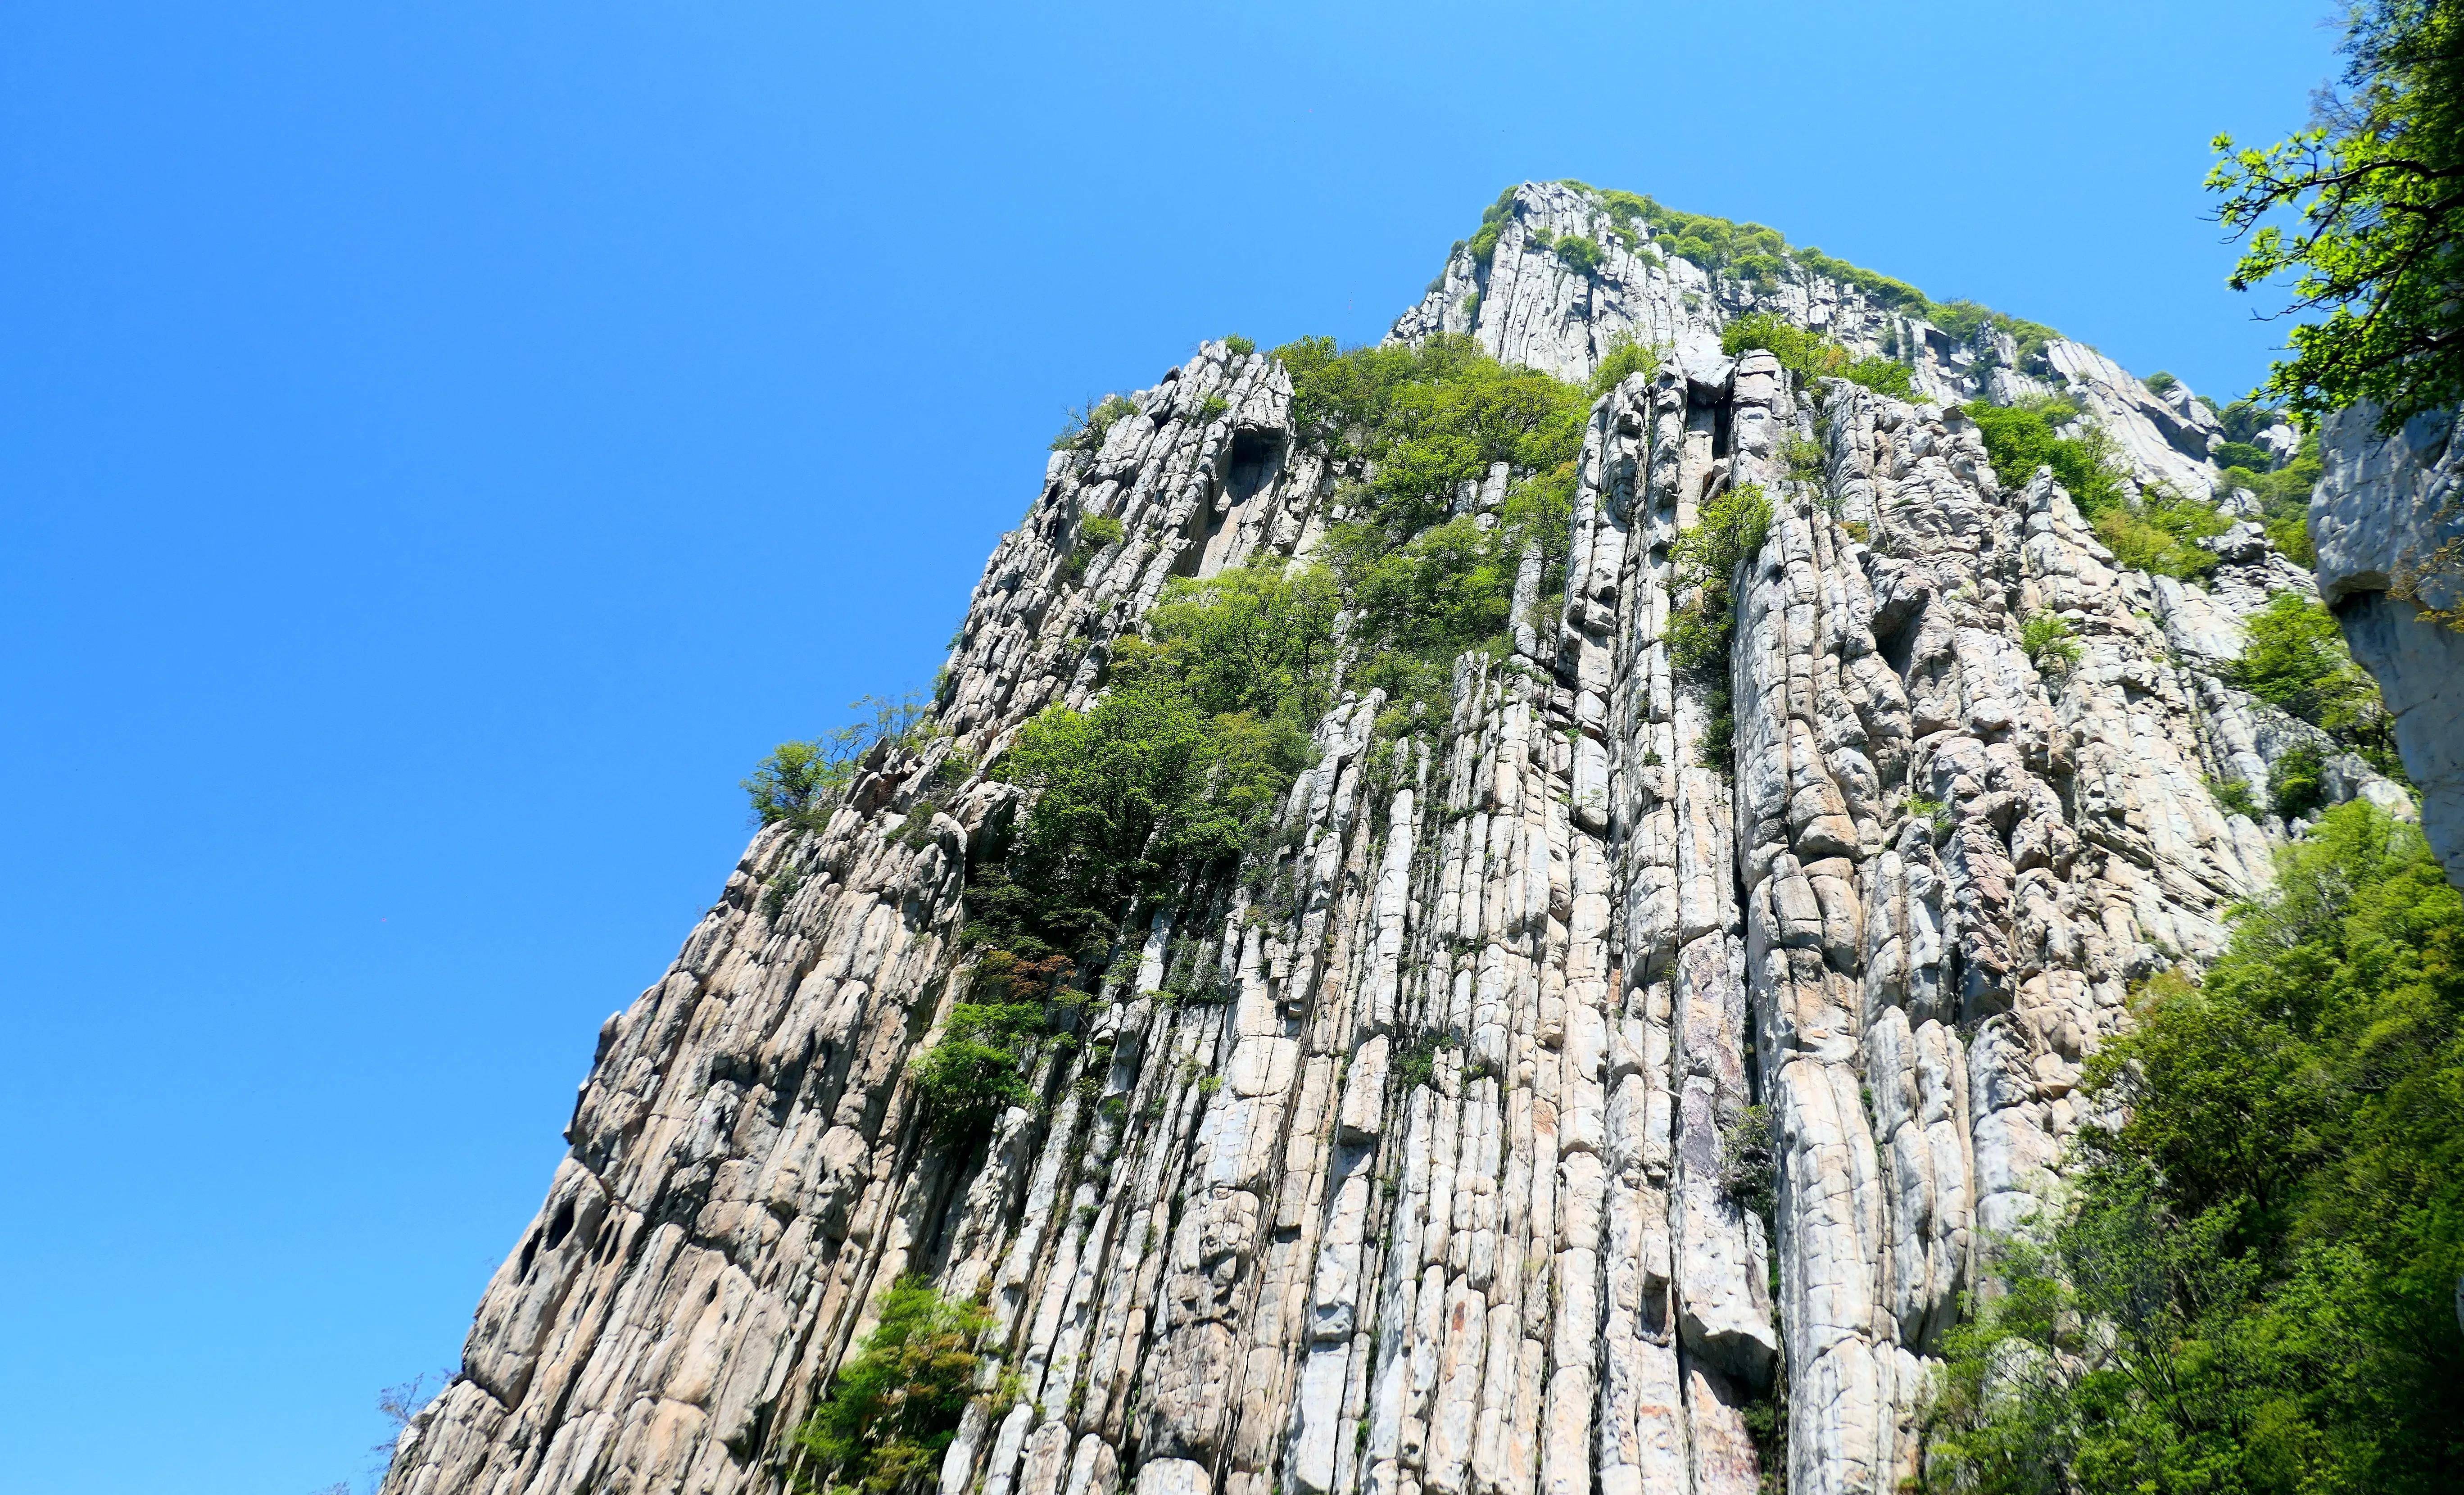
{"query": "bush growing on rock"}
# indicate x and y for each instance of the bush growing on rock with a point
(800, 781)
(2293, 656)
(895, 1406)
(978, 1068)
(2160, 534)
(2049, 642)
(2297, 780)
(1729, 531)
(1623, 359)
(1581, 255)
(1811, 356)
(2020, 439)
(1086, 427)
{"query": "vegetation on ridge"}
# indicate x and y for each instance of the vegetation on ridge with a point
(1811, 356)
(2158, 532)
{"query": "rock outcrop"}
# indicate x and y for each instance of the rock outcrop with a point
(2388, 520)
(1433, 1187)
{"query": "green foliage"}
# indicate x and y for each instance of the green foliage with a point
(2375, 245)
(797, 783)
(1751, 250)
(2297, 780)
(1803, 460)
(1808, 355)
(776, 888)
(2284, 498)
(1088, 425)
(1425, 586)
(2159, 382)
(1898, 295)
(1258, 639)
(2049, 642)
(1240, 347)
(1933, 814)
(1966, 320)
(1811, 356)
(1582, 255)
(1445, 588)
(895, 1403)
(1749, 1172)
(1417, 1062)
(2021, 438)
(1125, 790)
(1883, 376)
(1211, 409)
(1729, 531)
(801, 781)
(1624, 357)
(2252, 1286)
(1179, 765)
(1096, 533)
(1493, 220)
(976, 1070)
(2234, 796)
(2161, 534)
(1430, 417)
(2293, 656)
(2243, 455)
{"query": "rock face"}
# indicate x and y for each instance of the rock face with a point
(1440, 1193)
(2388, 520)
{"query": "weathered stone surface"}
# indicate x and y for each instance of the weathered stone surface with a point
(2387, 517)
(1451, 1191)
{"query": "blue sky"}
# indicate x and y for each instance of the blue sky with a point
(443, 445)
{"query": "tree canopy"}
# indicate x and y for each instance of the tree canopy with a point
(2374, 189)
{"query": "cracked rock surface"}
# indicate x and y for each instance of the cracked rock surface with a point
(1285, 1240)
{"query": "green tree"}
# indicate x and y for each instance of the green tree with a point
(2374, 186)
(1259, 638)
(895, 1403)
(978, 1068)
(2251, 1286)
(800, 781)
(2294, 655)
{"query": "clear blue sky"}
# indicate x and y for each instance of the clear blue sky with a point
(443, 445)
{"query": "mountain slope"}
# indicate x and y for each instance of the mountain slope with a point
(1423, 1150)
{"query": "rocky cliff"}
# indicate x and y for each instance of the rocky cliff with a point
(1437, 1189)
(2389, 523)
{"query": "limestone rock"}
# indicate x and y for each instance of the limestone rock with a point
(2388, 520)
(1456, 1189)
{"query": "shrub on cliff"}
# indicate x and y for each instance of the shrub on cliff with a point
(2021, 438)
(976, 1070)
(2158, 534)
(1729, 531)
(895, 1403)
(2293, 656)
(2252, 1284)
(801, 781)
(2161, 532)
(1811, 356)
(2049, 642)
(1086, 427)
(1431, 418)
